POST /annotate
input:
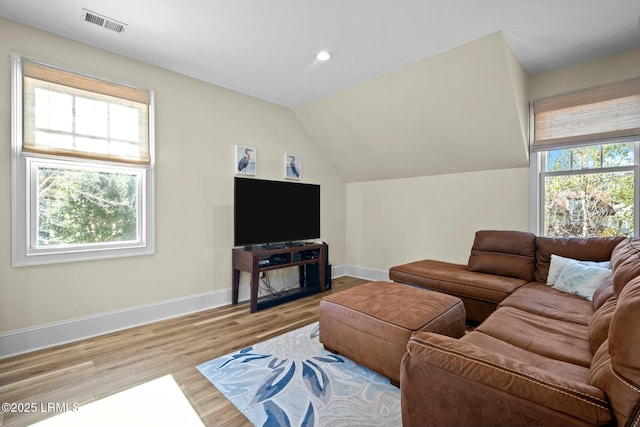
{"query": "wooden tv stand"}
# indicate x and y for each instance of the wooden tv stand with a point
(256, 259)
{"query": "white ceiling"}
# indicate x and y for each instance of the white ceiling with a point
(267, 49)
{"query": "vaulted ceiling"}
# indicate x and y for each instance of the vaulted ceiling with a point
(462, 110)
(414, 87)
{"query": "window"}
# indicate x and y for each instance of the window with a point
(590, 190)
(586, 157)
(83, 167)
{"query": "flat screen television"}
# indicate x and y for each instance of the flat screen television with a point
(271, 212)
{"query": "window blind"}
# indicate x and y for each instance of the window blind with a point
(587, 116)
(70, 114)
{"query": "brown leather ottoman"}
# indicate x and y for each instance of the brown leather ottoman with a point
(372, 323)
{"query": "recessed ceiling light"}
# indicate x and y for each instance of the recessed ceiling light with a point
(323, 56)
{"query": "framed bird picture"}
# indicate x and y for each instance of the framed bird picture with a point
(292, 166)
(246, 160)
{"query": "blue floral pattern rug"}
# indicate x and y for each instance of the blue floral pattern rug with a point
(291, 380)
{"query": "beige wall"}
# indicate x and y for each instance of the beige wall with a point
(197, 126)
(602, 71)
(397, 221)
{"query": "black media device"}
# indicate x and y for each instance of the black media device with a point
(310, 277)
(270, 212)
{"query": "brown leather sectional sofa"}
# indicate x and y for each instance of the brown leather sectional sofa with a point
(540, 356)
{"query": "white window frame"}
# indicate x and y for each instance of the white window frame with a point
(538, 174)
(24, 210)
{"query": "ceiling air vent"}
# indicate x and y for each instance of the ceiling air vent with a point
(103, 21)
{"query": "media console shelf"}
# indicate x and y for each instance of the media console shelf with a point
(257, 259)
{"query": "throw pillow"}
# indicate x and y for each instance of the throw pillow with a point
(558, 263)
(582, 280)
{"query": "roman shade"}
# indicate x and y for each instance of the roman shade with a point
(590, 116)
(70, 114)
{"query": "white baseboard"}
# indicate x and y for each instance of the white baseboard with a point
(29, 339)
(35, 338)
(366, 273)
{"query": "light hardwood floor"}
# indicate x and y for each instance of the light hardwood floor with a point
(91, 369)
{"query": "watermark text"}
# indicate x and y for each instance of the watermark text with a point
(48, 407)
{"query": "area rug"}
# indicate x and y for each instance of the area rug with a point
(157, 403)
(291, 380)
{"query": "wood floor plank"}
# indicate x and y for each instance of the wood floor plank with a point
(91, 369)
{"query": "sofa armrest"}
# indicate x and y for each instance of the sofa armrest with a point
(446, 381)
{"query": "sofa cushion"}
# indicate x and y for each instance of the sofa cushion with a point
(447, 381)
(616, 365)
(603, 293)
(600, 322)
(580, 248)
(625, 262)
(499, 347)
(455, 279)
(538, 298)
(557, 339)
(504, 253)
(624, 339)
